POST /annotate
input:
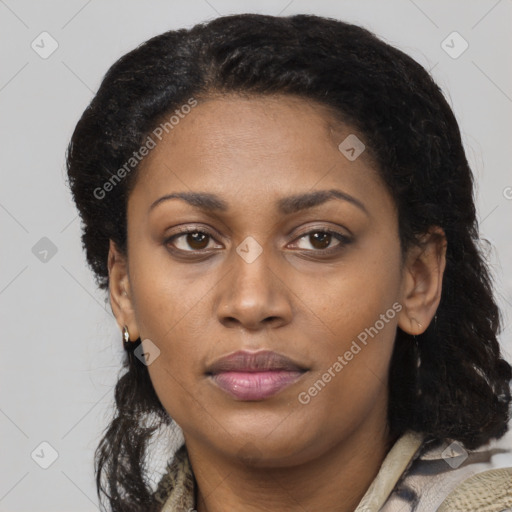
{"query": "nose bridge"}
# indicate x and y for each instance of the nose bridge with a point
(250, 269)
(251, 293)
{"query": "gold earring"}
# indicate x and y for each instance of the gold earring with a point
(126, 334)
(417, 323)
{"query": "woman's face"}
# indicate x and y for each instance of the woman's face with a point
(316, 279)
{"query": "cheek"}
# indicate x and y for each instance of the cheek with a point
(169, 307)
(359, 311)
(356, 296)
(166, 295)
(351, 396)
(350, 381)
(175, 375)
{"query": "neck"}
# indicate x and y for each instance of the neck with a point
(335, 481)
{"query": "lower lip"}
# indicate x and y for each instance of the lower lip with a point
(255, 385)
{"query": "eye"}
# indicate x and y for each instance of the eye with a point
(321, 240)
(195, 239)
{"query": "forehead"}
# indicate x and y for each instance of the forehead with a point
(241, 125)
(259, 146)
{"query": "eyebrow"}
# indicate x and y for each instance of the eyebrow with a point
(287, 205)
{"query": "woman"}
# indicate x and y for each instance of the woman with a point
(282, 212)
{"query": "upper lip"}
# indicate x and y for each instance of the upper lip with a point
(244, 361)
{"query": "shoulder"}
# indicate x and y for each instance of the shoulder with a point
(445, 477)
(489, 491)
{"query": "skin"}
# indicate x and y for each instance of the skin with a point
(278, 453)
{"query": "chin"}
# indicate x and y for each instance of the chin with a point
(262, 444)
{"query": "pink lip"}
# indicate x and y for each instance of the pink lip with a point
(254, 375)
(255, 385)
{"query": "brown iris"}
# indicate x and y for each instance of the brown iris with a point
(322, 238)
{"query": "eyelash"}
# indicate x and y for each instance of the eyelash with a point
(343, 239)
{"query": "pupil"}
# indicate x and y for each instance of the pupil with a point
(324, 239)
(195, 235)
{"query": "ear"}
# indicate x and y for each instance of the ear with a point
(422, 281)
(120, 293)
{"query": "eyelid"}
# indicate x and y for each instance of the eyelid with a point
(199, 228)
(326, 228)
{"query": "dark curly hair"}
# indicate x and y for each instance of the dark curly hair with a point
(461, 389)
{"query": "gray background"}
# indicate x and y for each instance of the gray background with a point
(61, 347)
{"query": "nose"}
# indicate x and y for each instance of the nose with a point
(252, 295)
